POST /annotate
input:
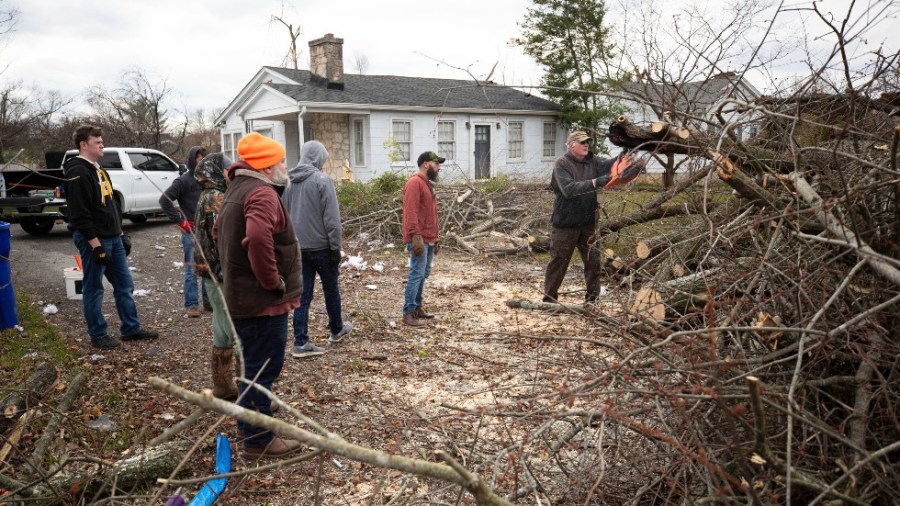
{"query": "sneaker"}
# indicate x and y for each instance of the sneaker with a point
(277, 448)
(192, 312)
(307, 350)
(105, 343)
(345, 330)
(141, 334)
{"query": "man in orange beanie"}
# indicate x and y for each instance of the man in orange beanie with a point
(260, 260)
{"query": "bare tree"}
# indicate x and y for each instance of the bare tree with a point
(361, 62)
(293, 53)
(136, 112)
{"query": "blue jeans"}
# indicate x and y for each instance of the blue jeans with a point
(116, 271)
(419, 270)
(318, 262)
(191, 279)
(262, 339)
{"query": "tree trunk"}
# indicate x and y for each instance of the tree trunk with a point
(26, 395)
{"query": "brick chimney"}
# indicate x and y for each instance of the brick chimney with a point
(326, 60)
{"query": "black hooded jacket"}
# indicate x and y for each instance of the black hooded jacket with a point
(185, 190)
(88, 212)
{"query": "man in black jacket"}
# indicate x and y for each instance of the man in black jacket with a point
(577, 176)
(185, 190)
(96, 223)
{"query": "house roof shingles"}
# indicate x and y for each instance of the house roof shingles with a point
(409, 92)
(687, 97)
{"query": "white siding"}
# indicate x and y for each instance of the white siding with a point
(424, 132)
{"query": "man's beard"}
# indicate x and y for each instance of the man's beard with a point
(279, 178)
(432, 175)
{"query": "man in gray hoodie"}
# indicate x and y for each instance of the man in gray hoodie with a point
(311, 202)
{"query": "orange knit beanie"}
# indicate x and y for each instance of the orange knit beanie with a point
(260, 152)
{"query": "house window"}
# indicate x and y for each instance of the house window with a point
(447, 139)
(515, 147)
(549, 139)
(402, 132)
(229, 144)
(267, 132)
(359, 146)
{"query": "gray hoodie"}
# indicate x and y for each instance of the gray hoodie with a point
(311, 201)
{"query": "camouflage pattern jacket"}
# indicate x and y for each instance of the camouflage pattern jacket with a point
(210, 173)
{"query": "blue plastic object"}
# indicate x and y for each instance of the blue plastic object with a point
(9, 313)
(212, 488)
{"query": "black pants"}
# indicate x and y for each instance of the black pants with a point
(563, 242)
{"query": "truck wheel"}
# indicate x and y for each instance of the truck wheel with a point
(138, 218)
(37, 226)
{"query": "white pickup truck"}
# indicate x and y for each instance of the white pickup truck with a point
(36, 199)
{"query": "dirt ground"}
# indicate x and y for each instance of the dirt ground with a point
(387, 386)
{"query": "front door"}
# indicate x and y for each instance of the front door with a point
(482, 151)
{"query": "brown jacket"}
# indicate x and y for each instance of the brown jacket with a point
(252, 264)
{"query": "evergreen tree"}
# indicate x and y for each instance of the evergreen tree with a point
(569, 39)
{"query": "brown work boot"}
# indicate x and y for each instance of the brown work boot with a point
(412, 321)
(277, 448)
(222, 375)
(192, 312)
(420, 313)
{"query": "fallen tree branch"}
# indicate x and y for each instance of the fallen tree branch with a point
(65, 404)
(329, 445)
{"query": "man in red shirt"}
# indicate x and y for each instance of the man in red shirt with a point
(420, 234)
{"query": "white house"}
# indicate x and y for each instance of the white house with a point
(375, 124)
(701, 105)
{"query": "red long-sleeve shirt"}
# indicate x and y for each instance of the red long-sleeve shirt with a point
(419, 210)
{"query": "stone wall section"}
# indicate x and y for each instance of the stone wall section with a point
(333, 130)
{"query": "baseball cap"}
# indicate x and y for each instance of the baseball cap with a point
(577, 136)
(429, 156)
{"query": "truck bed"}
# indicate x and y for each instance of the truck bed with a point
(20, 182)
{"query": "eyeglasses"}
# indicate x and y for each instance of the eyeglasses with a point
(584, 143)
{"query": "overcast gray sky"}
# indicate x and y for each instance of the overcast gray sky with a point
(207, 50)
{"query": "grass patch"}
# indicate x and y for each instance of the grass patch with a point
(496, 184)
(41, 341)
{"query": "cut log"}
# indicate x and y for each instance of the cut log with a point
(584, 309)
(487, 224)
(652, 214)
(661, 138)
(647, 303)
(539, 243)
(518, 243)
(144, 467)
(732, 175)
(463, 244)
(26, 395)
